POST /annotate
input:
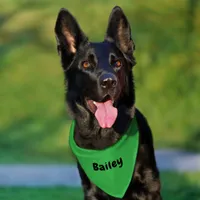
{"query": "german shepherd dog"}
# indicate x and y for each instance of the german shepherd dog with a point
(101, 97)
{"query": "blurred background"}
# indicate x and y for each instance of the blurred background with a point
(34, 124)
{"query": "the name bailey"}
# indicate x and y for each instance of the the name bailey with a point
(108, 165)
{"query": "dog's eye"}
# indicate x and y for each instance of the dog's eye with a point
(85, 64)
(117, 63)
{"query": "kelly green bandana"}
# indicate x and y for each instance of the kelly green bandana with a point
(110, 169)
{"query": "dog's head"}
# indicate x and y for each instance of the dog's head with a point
(98, 75)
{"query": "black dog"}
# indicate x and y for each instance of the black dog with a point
(100, 83)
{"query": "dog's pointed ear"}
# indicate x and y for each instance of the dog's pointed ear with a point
(68, 34)
(119, 31)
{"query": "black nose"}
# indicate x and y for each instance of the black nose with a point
(108, 81)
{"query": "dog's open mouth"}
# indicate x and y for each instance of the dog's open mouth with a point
(104, 112)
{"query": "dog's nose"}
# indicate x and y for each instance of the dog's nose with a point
(108, 81)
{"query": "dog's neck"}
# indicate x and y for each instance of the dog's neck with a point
(89, 135)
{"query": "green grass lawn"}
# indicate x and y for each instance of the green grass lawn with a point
(174, 186)
(34, 124)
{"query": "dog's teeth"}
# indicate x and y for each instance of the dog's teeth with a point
(94, 102)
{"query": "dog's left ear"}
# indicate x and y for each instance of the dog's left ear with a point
(119, 32)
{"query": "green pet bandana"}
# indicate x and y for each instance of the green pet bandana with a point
(110, 169)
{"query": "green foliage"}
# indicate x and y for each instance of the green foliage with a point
(33, 123)
(174, 186)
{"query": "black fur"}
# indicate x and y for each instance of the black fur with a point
(85, 83)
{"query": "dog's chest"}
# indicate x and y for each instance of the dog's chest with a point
(98, 140)
(104, 140)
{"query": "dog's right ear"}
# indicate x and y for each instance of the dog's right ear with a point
(69, 35)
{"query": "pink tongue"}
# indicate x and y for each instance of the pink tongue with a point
(106, 114)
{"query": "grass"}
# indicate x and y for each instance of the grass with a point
(40, 194)
(33, 121)
(175, 186)
(179, 186)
